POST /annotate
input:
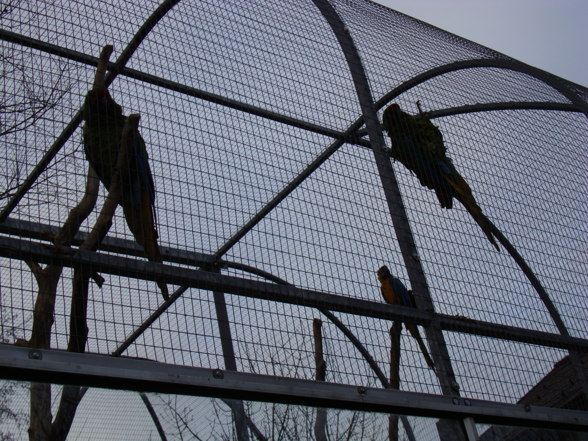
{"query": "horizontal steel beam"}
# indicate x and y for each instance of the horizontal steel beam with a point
(92, 370)
(566, 88)
(128, 267)
(506, 105)
(42, 231)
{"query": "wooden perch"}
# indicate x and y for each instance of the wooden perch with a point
(102, 65)
(48, 277)
(320, 375)
(395, 332)
(43, 314)
(40, 425)
(78, 328)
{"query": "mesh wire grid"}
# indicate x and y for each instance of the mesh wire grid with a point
(216, 166)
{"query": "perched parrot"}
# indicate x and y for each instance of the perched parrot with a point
(418, 144)
(104, 122)
(395, 293)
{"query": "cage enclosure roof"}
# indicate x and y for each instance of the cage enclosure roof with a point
(268, 187)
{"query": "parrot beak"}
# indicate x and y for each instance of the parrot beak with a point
(383, 271)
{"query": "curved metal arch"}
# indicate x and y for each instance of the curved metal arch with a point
(489, 107)
(124, 57)
(154, 416)
(396, 208)
(549, 79)
(369, 109)
(509, 105)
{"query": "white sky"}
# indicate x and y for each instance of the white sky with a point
(548, 34)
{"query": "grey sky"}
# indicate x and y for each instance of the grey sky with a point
(547, 34)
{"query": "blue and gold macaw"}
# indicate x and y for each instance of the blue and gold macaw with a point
(418, 144)
(104, 122)
(395, 293)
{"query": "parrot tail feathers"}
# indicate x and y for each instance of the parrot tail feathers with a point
(141, 222)
(164, 290)
(414, 331)
(482, 221)
(463, 193)
(486, 227)
(445, 197)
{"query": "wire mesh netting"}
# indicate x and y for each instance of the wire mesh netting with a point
(263, 172)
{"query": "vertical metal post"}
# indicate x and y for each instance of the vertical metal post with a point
(224, 329)
(470, 428)
(400, 222)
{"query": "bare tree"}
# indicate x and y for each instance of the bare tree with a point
(25, 98)
(212, 420)
(270, 421)
(42, 426)
(12, 418)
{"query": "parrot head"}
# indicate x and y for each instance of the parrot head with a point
(99, 103)
(392, 116)
(383, 273)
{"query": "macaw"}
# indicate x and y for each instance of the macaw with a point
(395, 293)
(418, 144)
(104, 122)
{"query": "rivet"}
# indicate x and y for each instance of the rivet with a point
(35, 355)
(218, 374)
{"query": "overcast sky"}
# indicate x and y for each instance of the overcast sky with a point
(548, 34)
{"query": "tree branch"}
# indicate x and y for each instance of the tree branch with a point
(320, 375)
(78, 328)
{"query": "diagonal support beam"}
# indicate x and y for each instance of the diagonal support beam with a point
(277, 199)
